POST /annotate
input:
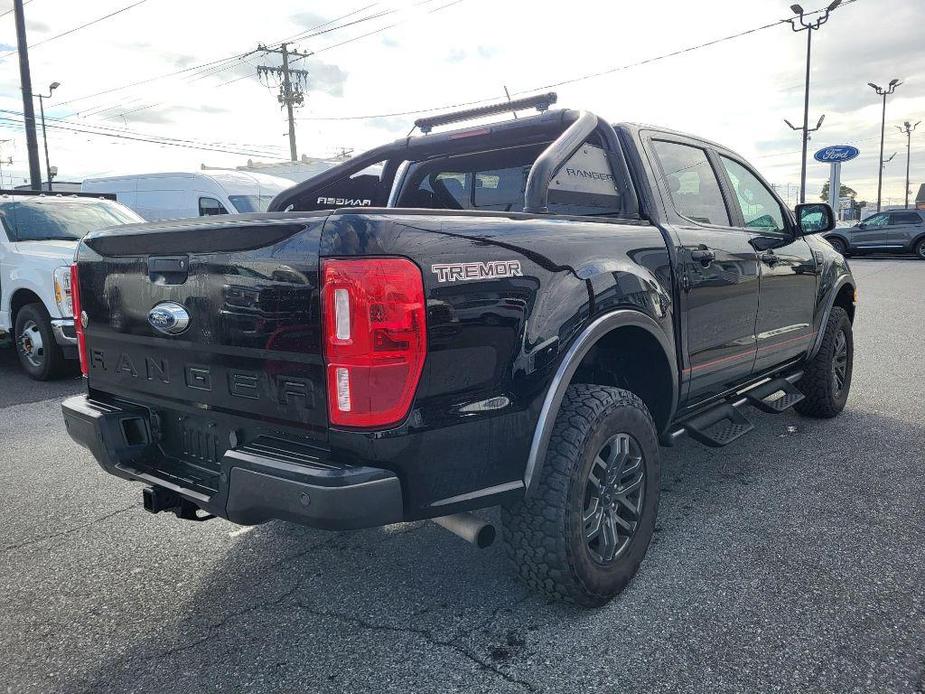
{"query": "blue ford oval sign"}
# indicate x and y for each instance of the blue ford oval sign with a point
(836, 154)
(169, 318)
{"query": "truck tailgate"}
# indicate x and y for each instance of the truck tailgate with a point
(247, 288)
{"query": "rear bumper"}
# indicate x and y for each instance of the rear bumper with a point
(254, 484)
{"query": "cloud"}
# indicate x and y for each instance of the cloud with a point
(35, 26)
(457, 55)
(5, 47)
(308, 20)
(326, 77)
(185, 60)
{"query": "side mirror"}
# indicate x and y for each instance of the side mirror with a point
(815, 218)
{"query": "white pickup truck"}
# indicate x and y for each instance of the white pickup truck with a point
(38, 235)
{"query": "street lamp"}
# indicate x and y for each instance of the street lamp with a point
(884, 93)
(800, 23)
(42, 97)
(907, 131)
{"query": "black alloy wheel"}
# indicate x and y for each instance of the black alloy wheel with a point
(839, 364)
(614, 496)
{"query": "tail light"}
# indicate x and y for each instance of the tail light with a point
(78, 322)
(375, 339)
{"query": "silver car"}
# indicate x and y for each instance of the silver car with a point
(896, 231)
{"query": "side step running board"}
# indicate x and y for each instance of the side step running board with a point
(718, 427)
(724, 423)
(787, 394)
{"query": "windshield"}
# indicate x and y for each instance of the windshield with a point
(56, 219)
(251, 203)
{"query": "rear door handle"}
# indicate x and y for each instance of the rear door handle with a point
(704, 255)
(769, 257)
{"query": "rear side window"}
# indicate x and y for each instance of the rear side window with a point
(210, 206)
(906, 218)
(692, 183)
(497, 181)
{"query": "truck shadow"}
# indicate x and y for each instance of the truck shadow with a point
(411, 607)
(18, 389)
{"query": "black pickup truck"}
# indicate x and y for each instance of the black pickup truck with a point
(516, 314)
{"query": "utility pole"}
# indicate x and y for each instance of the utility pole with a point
(42, 97)
(291, 82)
(907, 131)
(799, 23)
(9, 162)
(884, 93)
(28, 110)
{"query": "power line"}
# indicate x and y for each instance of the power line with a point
(308, 35)
(78, 28)
(10, 11)
(572, 80)
(229, 60)
(104, 130)
(207, 69)
(17, 124)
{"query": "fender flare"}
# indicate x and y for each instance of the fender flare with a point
(569, 365)
(829, 303)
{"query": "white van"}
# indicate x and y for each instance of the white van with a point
(158, 196)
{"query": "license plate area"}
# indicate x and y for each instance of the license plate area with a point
(193, 439)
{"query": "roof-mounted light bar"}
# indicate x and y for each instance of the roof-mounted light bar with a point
(541, 102)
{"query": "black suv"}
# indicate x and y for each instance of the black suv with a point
(515, 314)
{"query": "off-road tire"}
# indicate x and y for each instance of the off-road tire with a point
(823, 399)
(545, 533)
(50, 363)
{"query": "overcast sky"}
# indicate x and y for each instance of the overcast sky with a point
(443, 52)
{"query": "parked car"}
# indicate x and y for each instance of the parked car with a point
(896, 231)
(39, 235)
(513, 314)
(158, 196)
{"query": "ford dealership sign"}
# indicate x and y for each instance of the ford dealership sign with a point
(836, 154)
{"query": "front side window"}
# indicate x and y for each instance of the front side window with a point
(692, 183)
(760, 208)
(61, 220)
(210, 206)
(878, 220)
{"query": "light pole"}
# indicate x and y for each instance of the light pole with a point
(884, 93)
(42, 97)
(907, 131)
(800, 23)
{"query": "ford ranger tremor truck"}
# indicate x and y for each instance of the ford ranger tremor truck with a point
(513, 314)
(38, 235)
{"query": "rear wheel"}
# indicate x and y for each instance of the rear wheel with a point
(827, 377)
(582, 534)
(920, 249)
(39, 354)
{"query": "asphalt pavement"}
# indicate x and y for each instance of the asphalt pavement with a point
(791, 561)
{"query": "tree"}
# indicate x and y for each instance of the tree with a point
(844, 192)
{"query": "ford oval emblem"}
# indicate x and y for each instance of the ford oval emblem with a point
(836, 154)
(169, 318)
